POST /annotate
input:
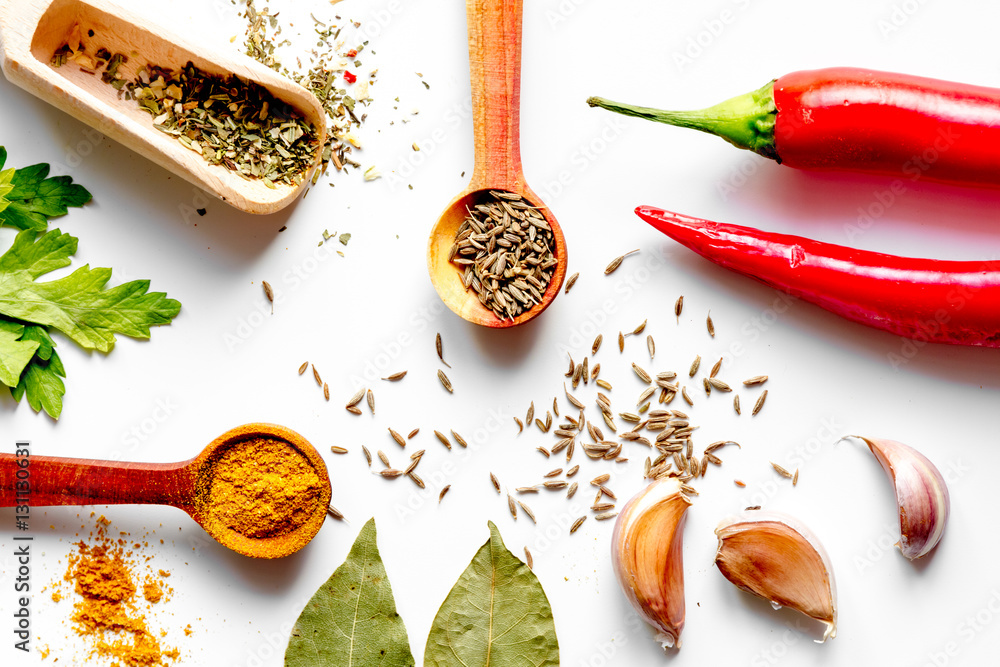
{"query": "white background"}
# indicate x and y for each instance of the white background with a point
(373, 312)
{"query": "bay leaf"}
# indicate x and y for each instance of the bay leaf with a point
(351, 621)
(496, 615)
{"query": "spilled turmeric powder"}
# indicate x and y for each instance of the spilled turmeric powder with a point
(105, 610)
(262, 487)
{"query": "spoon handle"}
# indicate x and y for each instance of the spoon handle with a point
(64, 481)
(495, 69)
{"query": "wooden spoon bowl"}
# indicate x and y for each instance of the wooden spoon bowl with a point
(185, 485)
(32, 30)
(495, 70)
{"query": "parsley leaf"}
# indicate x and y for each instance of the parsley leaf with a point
(28, 197)
(42, 379)
(15, 353)
(77, 305)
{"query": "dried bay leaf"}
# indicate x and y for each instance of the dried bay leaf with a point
(352, 619)
(496, 615)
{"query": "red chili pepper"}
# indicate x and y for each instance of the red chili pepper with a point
(925, 299)
(860, 120)
(350, 78)
(352, 53)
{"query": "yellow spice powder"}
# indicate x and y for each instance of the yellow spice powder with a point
(263, 487)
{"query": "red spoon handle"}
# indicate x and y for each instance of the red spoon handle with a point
(495, 69)
(61, 481)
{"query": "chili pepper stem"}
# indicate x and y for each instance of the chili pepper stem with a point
(746, 121)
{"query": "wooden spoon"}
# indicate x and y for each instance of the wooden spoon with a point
(32, 30)
(185, 485)
(495, 68)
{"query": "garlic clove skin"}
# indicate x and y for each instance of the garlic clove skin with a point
(921, 495)
(646, 551)
(776, 557)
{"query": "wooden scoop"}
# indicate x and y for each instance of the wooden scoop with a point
(495, 68)
(32, 30)
(185, 485)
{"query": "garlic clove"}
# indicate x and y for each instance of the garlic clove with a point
(775, 557)
(921, 494)
(647, 556)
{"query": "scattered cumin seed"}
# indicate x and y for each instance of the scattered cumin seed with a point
(553, 473)
(719, 384)
(759, 404)
(572, 471)
(396, 377)
(334, 512)
(445, 382)
(495, 481)
(437, 346)
(398, 438)
(576, 524)
(326, 391)
(371, 401)
(520, 424)
(543, 450)
(707, 385)
(641, 374)
(740, 483)
(319, 381)
(678, 307)
(269, 293)
(303, 367)
(715, 368)
(694, 366)
(595, 371)
(555, 485)
(459, 439)
(511, 506)
(651, 346)
(597, 344)
(527, 489)
(795, 477)
(687, 399)
(413, 466)
(368, 455)
(781, 471)
(530, 415)
(602, 507)
(443, 438)
(617, 261)
(529, 561)
(757, 379)
(416, 479)
(384, 459)
(527, 510)
(621, 342)
(604, 516)
(710, 325)
(555, 406)
(606, 491)
(353, 410)
(600, 479)
(639, 329)
(604, 384)
(752, 508)
(572, 490)
(736, 403)
(356, 398)
(443, 491)
(390, 473)
(569, 285)
(338, 450)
